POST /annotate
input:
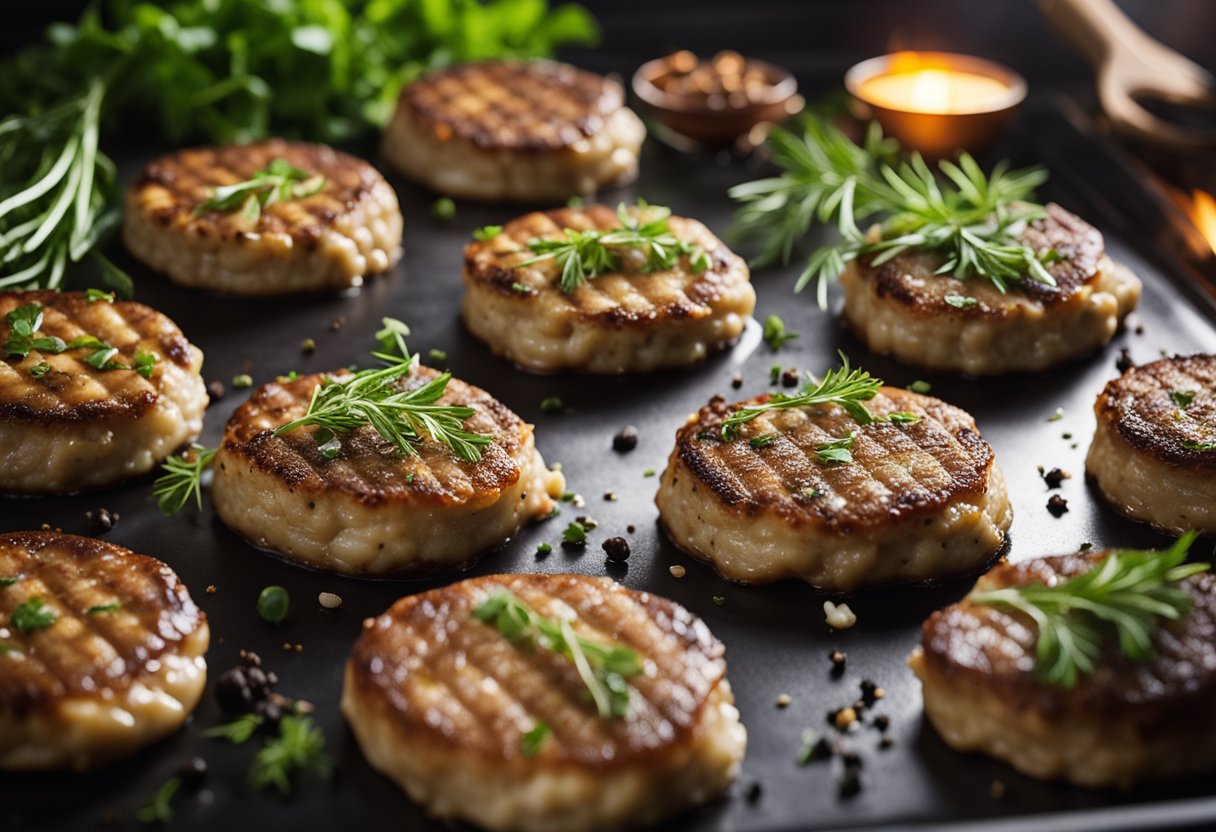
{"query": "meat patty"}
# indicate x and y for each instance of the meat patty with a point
(101, 652)
(624, 322)
(325, 242)
(367, 510)
(903, 308)
(440, 702)
(67, 425)
(1154, 451)
(514, 131)
(917, 502)
(1126, 722)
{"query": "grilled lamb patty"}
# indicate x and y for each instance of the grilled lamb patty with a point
(1125, 723)
(917, 502)
(626, 322)
(1154, 451)
(514, 131)
(439, 702)
(903, 308)
(369, 510)
(111, 660)
(326, 242)
(66, 425)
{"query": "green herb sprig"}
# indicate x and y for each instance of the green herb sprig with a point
(32, 616)
(182, 479)
(974, 220)
(159, 807)
(26, 321)
(299, 748)
(279, 181)
(603, 668)
(1126, 595)
(583, 255)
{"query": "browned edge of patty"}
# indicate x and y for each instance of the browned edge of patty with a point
(442, 627)
(1138, 406)
(492, 263)
(944, 431)
(992, 649)
(514, 98)
(368, 469)
(49, 400)
(191, 175)
(60, 661)
(1079, 245)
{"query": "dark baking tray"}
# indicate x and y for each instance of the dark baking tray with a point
(776, 637)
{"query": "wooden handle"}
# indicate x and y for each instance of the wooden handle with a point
(1095, 27)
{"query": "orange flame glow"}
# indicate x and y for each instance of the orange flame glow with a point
(1202, 210)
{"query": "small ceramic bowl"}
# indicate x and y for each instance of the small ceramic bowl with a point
(719, 126)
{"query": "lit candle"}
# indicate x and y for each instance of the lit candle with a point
(938, 102)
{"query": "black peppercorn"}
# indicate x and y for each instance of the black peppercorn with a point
(850, 781)
(625, 440)
(232, 691)
(101, 520)
(838, 659)
(1057, 505)
(868, 689)
(1124, 362)
(789, 377)
(882, 722)
(617, 549)
(737, 381)
(753, 791)
(1055, 476)
(215, 390)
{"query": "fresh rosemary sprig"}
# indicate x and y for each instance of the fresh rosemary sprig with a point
(238, 732)
(279, 181)
(973, 220)
(401, 417)
(602, 667)
(182, 479)
(159, 807)
(845, 386)
(583, 255)
(1126, 595)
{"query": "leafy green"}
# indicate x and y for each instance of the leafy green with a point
(31, 616)
(836, 451)
(238, 732)
(299, 748)
(531, 741)
(224, 71)
(602, 667)
(159, 807)
(279, 181)
(1125, 595)
(182, 479)
(775, 334)
(973, 219)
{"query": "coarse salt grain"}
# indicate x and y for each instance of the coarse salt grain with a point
(839, 616)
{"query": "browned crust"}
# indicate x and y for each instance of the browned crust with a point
(918, 469)
(82, 654)
(169, 190)
(368, 469)
(70, 392)
(985, 647)
(423, 640)
(528, 106)
(1139, 407)
(643, 300)
(909, 279)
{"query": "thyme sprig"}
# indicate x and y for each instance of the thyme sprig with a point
(298, 748)
(974, 220)
(602, 667)
(279, 181)
(1127, 595)
(182, 479)
(583, 255)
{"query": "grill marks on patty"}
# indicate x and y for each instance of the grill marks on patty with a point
(457, 680)
(898, 471)
(631, 298)
(73, 391)
(170, 189)
(1139, 406)
(368, 468)
(910, 278)
(82, 654)
(995, 647)
(521, 106)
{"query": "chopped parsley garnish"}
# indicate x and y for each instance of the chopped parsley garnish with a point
(762, 441)
(551, 404)
(837, 451)
(113, 606)
(1182, 398)
(31, 616)
(959, 301)
(486, 233)
(8, 581)
(241, 381)
(575, 533)
(920, 386)
(40, 369)
(95, 295)
(531, 741)
(443, 208)
(775, 334)
(238, 732)
(299, 748)
(159, 808)
(26, 321)
(1202, 447)
(602, 667)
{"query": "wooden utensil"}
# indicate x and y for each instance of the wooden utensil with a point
(1130, 65)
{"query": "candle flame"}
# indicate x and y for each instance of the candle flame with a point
(1202, 210)
(930, 91)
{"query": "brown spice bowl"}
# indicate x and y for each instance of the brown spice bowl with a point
(718, 127)
(940, 135)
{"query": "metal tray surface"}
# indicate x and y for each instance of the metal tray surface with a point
(776, 637)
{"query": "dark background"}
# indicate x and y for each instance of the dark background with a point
(817, 33)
